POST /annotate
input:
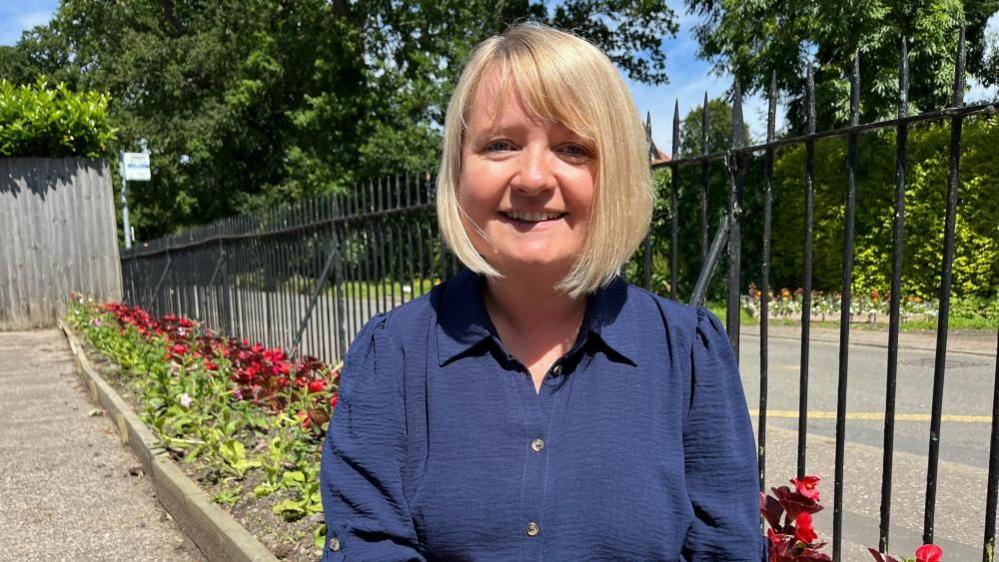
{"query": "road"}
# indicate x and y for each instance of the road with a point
(964, 437)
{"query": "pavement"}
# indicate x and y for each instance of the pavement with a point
(69, 490)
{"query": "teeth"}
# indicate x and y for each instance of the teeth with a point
(532, 217)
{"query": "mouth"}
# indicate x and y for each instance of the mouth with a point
(528, 217)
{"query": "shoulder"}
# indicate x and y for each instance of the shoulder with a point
(402, 326)
(685, 324)
(677, 316)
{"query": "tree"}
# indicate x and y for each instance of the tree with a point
(246, 104)
(753, 39)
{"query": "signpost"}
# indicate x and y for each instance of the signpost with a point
(134, 167)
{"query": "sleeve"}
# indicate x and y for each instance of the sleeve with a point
(720, 454)
(367, 517)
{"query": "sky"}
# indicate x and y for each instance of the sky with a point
(689, 76)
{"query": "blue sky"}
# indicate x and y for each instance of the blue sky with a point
(689, 76)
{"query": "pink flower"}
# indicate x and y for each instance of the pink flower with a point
(929, 553)
(807, 486)
(185, 400)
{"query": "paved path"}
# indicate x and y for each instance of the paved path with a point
(68, 489)
(964, 437)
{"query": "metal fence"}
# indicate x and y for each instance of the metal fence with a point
(308, 276)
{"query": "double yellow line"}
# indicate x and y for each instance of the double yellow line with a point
(873, 416)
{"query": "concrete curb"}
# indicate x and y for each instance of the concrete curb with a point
(215, 532)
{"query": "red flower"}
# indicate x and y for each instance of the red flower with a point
(808, 487)
(179, 349)
(795, 503)
(317, 385)
(929, 553)
(333, 400)
(804, 531)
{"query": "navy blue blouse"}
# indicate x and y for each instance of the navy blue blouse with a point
(637, 447)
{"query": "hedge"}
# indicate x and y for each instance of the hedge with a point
(39, 121)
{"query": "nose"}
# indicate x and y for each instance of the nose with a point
(534, 173)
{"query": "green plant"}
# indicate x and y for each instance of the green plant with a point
(53, 122)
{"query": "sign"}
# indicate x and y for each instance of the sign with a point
(136, 166)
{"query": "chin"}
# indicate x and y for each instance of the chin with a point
(541, 263)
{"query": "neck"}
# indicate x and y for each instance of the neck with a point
(532, 305)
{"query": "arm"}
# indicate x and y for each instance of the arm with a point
(720, 454)
(361, 474)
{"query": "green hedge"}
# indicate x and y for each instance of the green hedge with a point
(39, 121)
(976, 258)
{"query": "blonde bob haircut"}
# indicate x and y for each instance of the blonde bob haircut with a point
(564, 79)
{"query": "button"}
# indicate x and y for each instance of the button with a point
(533, 529)
(334, 544)
(537, 445)
(557, 370)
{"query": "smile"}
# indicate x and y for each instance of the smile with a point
(523, 216)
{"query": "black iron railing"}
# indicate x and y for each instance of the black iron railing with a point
(728, 230)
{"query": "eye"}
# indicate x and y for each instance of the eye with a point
(575, 151)
(498, 146)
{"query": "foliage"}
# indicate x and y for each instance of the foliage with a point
(36, 120)
(755, 39)
(232, 408)
(788, 515)
(249, 103)
(976, 261)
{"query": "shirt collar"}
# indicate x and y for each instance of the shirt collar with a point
(463, 322)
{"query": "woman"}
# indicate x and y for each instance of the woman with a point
(536, 406)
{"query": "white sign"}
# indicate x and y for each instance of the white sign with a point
(136, 166)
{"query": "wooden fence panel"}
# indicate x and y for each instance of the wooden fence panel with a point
(57, 235)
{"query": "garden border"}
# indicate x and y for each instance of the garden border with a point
(213, 530)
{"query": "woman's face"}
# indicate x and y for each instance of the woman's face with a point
(528, 184)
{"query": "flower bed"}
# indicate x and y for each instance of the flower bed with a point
(244, 421)
(873, 308)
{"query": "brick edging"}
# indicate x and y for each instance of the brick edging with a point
(217, 534)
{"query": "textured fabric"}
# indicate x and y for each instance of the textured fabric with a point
(646, 449)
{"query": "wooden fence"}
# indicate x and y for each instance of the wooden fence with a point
(57, 236)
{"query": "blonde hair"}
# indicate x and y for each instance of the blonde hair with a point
(565, 79)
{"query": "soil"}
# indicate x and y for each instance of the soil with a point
(288, 540)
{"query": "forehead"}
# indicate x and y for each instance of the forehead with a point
(496, 103)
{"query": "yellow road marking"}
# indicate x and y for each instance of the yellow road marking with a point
(873, 416)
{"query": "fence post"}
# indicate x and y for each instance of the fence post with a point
(735, 232)
(946, 276)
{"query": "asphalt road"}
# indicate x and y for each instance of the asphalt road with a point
(964, 437)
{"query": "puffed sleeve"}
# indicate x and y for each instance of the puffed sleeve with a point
(720, 454)
(367, 517)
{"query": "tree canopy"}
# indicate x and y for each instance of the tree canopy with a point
(248, 103)
(754, 39)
